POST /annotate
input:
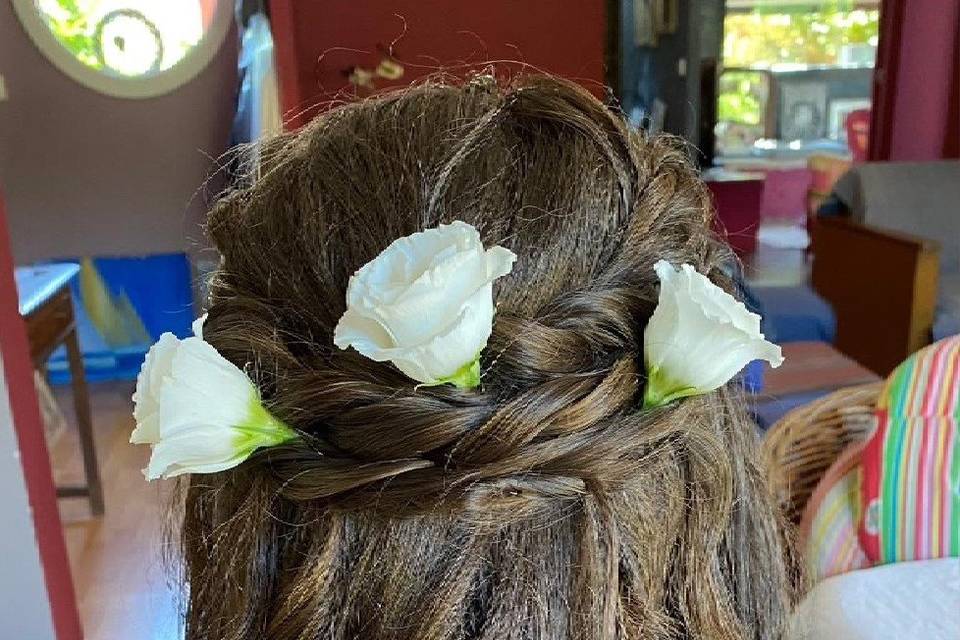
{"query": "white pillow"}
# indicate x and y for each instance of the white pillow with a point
(900, 601)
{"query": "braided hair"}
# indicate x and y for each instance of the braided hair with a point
(544, 504)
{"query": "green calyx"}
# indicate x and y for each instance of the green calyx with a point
(466, 377)
(261, 429)
(661, 391)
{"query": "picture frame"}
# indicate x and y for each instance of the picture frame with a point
(837, 111)
(644, 25)
(666, 16)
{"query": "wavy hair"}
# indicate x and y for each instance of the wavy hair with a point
(545, 504)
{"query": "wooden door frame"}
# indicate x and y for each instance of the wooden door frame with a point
(34, 457)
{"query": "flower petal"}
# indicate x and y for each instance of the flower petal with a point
(443, 356)
(443, 289)
(154, 371)
(204, 388)
(699, 337)
(405, 259)
(197, 326)
(717, 303)
(425, 303)
(199, 449)
(499, 262)
(364, 334)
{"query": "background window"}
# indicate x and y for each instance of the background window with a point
(793, 73)
(128, 48)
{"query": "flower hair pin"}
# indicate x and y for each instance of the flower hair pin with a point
(424, 304)
(698, 338)
(198, 411)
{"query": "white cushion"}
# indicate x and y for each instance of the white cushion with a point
(900, 601)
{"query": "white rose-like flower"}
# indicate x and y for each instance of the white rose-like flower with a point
(426, 304)
(198, 411)
(698, 338)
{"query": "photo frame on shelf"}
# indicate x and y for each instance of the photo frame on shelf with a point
(666, 16)
(837, 112)
(644, 25)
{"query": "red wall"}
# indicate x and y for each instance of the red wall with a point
(317, 42)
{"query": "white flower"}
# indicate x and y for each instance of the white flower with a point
(199, 412)
(698, 338)
(426, 304)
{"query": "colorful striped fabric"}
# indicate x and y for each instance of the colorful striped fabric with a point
(925, 385)
(828, 530)
(910, 493)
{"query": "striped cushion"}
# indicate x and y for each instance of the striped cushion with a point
(828, 530)
(910, 492)
(927, 384)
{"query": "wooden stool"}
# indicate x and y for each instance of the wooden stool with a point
(47, 308)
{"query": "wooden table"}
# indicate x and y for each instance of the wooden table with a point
(46, 306)
(810, 370)
(812, 366)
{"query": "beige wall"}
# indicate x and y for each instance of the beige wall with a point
(87, 174)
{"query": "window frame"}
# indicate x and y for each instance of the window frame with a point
(132, 87)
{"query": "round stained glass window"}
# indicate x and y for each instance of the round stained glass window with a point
(127, 48)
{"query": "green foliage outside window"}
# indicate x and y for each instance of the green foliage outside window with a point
(125, 38)
(72, 28)
(741, 97)
(807, 37)
(763, 38)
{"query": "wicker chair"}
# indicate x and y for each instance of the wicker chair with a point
(802, 445)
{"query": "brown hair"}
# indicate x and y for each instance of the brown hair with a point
(544, 505)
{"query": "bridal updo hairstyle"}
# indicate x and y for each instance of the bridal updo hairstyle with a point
(543, 505)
